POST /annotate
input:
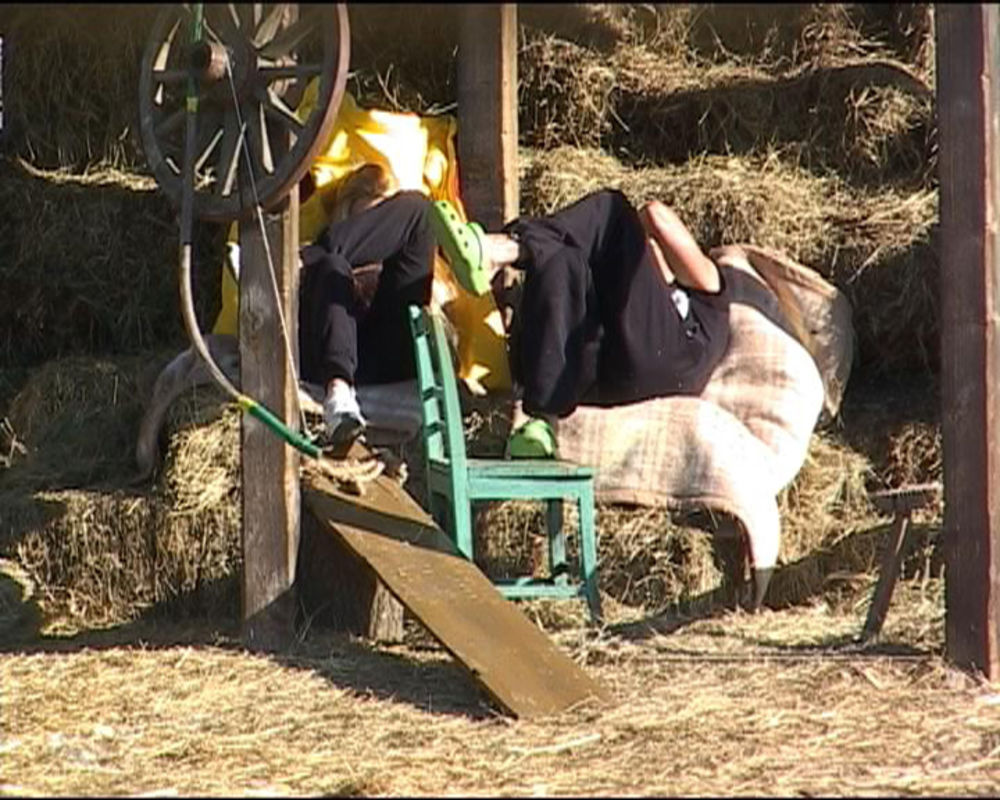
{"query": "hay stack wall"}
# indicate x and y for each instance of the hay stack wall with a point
(808, 128)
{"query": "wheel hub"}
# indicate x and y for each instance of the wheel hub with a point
(250, 67)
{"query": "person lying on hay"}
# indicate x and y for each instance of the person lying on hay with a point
(619, 305)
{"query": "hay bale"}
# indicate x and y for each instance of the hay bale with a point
(105, 555)
(76, 418)
(402, 61)
(603, 26)
(869, 123)
(90, 265)
(71, 84)
(654, 559)
(97, 552)
(564, 93)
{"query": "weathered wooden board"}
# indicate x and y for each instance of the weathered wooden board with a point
(968, 71)
(270, 468)
(514, 661)
(487, 111)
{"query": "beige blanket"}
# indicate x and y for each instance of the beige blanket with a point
(734, 447)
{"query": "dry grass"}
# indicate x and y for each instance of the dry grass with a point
(777, 704)
(722, 127)
(101, 552)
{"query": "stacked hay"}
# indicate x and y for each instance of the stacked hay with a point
(808, 128)
(71, 84)
(89, 264)
(98, 548)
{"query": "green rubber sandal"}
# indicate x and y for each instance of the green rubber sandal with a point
(534, 439)
(464, 245)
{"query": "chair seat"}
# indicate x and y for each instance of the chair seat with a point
(526, 468)
(524, 479)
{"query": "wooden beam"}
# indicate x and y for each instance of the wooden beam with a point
(487, 112)
(271, 501)
(968, 77)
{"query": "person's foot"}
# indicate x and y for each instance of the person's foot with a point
(502, 250)
(342, 418)
(534, 439)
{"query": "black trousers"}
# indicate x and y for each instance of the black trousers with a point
(338, 338)
(597, 323)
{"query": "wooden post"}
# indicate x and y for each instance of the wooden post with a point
(968, 78)
(487, 112)
(271, 506)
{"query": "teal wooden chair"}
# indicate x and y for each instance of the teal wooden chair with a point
(454, 480)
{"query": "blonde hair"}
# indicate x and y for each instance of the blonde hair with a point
(361, 188)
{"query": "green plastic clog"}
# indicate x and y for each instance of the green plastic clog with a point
(534, 439)
(464, 245)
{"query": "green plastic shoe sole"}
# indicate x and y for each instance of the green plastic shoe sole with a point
(464, 247)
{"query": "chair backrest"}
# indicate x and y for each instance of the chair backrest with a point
(444, 437)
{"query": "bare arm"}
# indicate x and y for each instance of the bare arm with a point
(675, 250)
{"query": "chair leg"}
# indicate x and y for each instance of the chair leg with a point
(462, 515)
(588, 552)
(557, 541)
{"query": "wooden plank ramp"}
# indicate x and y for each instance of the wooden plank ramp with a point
(520, 668)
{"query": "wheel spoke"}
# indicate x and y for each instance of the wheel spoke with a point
(222, 24)
(229, 158)
(207, 151)
(246, 17)
(300, 71)
(290, 38)
(266, 154)
(233, 14)
(260, 147)
(160, 62)
(269, 26)
(170, 75)
(278, 110)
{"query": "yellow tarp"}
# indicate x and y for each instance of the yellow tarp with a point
(420, 150)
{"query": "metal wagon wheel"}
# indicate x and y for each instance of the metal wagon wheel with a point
(250, 69)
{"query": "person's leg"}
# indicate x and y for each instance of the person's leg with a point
(603, 226)
(327, 319)
(556, 346)
(576, 264)
(394, 232)
(328, 341)
(653, 343)
(385, 347)
(384, 231)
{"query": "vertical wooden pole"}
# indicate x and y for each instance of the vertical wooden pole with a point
(968, 79)
(487, 112)
(270, 468)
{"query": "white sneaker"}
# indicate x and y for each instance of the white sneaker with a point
(342, 414)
